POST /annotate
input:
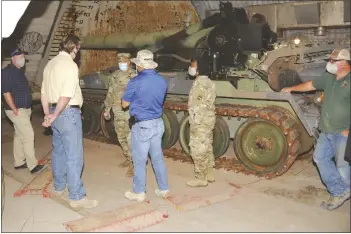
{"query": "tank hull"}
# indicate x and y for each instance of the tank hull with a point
(249, 105)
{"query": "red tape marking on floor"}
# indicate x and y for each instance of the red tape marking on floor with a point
(126, 219)
(39, 185)
(190, 202)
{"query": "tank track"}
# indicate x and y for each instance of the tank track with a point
(275, 115)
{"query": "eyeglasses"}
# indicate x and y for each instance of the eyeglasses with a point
(334, 60)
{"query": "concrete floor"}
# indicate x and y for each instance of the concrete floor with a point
(289, 203)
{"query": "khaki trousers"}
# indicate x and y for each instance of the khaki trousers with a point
(23, 142)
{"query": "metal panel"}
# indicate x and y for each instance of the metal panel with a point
(347, 9)
(211, 7)
(269, 11)
(287, 18)
(331, 33)
(332, 13)
(307, 13)
(304, 14)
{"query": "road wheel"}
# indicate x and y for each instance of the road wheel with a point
(223, 133)
(171, 134)
(90, 119)
(108, 128)
(261, 146)
(221, 136)
(97, 110)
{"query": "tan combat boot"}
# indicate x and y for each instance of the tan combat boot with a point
(210, 175)
(126, 163)
(84, 203)
(197, 183)
(130, 171)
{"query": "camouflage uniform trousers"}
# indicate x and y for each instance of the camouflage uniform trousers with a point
(123, 131)
(201, 138)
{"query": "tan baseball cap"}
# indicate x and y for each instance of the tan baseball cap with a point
(123, 57)
(340, 54)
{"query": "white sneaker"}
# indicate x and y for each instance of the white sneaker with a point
(163, 193)
(58, 193)
(84, 203)
(139, 197)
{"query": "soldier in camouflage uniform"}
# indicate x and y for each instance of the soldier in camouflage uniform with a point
(202, 119)
(117, 84)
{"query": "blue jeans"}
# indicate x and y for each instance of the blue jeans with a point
(336, 176)
(67, 154)
(147, 138)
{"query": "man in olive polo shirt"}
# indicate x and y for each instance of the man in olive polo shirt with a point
(334, 126)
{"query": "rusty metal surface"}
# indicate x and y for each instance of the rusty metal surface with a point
(275, 115)
(117, 17)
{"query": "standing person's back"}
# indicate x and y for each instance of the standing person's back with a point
(148, 100)
(61, 98)
(145, 95)
(54, 83)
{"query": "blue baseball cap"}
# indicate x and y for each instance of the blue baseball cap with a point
(16, 52)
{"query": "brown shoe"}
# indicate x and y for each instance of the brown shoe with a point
(126, 163)
(130, 171)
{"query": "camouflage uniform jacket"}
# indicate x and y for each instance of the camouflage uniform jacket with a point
(201, 102)
(117, 83)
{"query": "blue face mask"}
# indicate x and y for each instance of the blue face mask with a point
(123, 66)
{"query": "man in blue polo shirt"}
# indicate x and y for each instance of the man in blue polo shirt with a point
(17, 99)
(145, 95)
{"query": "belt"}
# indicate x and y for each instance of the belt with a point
(138, 121)
(68, 106)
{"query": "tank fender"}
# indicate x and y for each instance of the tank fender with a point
(309, 121)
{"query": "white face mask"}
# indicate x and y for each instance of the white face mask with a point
(192, 71)
(20, 62)
(123, 66)
(332, 68)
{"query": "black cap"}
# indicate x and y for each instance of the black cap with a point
(16, 52)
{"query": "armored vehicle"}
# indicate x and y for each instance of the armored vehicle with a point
(249, 66)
